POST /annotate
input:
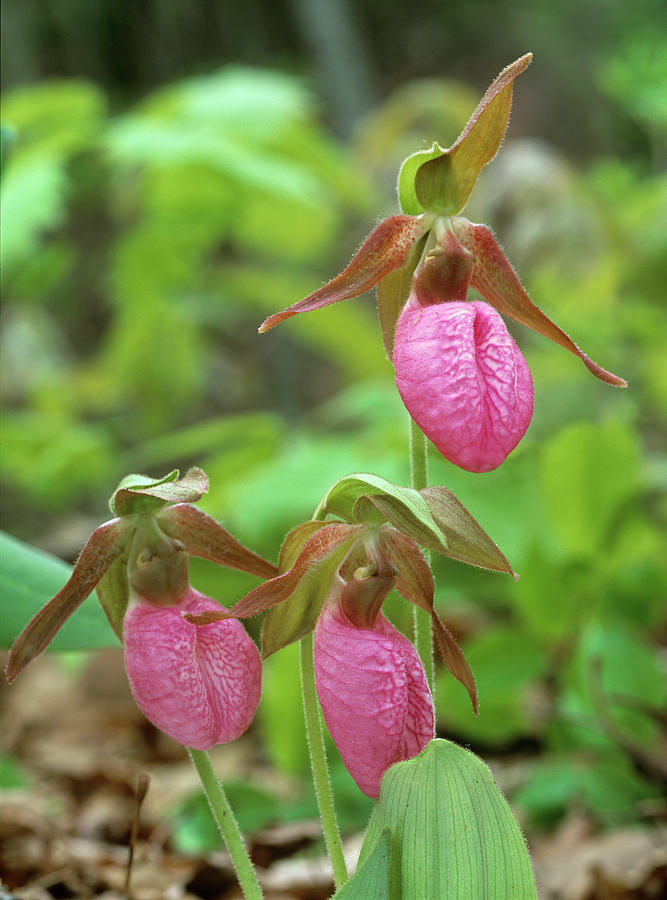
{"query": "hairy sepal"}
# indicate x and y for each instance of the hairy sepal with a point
(414, 581)
(443, 185)
(300, 591)
(466, 539)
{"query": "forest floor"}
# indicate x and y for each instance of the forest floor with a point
(72, 750)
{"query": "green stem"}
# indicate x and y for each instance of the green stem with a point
(224, 819)
(318, 762)
(418, 457)
(418, 480)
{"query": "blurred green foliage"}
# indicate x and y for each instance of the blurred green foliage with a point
(140, 252)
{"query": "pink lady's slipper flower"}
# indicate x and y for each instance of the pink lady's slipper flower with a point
(335, 576)
(201, 686)
(373, 692)
(460, 374)
(463, 380)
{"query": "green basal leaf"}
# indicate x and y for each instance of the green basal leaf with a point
(407, 197)
(373, 876)
(141, 494)
(472, 846)
(405, 508)
(28, 578)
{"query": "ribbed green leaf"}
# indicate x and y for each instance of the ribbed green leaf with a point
(372, 878)
(454, 835)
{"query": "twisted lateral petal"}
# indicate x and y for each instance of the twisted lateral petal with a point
(386, 248)
(200, 685)
(496, 280)
(374, 695)
(103, 547)
(463, 381)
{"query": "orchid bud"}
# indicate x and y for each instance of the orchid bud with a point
(198, 684)
(463, 380)
(373, 692)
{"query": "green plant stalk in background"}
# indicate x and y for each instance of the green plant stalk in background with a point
(318, 762)
(318, 755)
(227, 825)
(422, 620)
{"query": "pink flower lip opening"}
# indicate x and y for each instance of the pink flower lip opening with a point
(200, 685)
(463, 380)
(374, 695)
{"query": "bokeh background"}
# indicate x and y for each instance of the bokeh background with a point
(173, 173)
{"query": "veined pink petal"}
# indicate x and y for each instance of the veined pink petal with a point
(374, 695)
(200, 685)
(463, 381)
